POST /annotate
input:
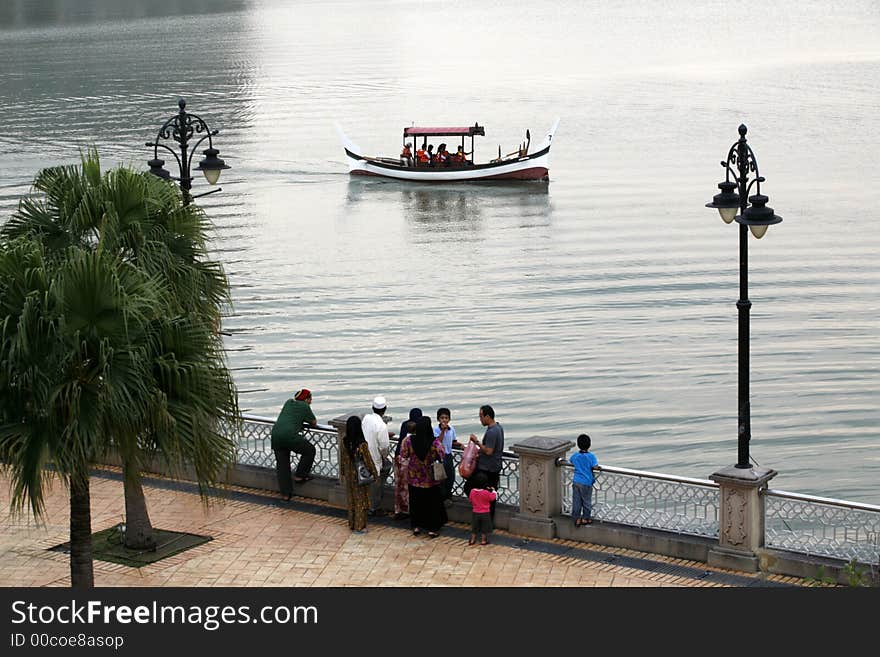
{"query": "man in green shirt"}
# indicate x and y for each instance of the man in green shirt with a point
(287, 437)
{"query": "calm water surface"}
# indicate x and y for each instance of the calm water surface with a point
(603, 301)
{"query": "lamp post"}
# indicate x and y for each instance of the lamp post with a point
(182, 127)
(753, 215)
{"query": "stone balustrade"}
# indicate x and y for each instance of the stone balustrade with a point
(731, 520)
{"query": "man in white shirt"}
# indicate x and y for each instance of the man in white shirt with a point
(379, 443)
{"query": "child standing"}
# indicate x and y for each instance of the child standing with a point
(445, 433)
(582, 487)
(481, 496)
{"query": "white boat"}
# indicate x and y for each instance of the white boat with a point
(524, 163)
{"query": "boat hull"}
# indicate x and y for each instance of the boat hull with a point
(531, 167)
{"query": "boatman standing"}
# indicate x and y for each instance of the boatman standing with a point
(406, 155)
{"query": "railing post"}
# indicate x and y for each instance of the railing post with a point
(540, 494)
(741, 526)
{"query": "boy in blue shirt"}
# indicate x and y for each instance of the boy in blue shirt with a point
(582, 487)
(445, 432)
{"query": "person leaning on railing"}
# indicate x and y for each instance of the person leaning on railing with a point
(287, 437)
(378, 439)
(584, 462)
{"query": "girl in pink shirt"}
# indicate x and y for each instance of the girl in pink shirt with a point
(481, 496)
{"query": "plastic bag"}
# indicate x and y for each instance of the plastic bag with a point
(468, 460)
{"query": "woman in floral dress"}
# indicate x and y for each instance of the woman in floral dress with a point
(426, 510)
(401, 478)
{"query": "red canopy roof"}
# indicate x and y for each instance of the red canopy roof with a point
(468, 131)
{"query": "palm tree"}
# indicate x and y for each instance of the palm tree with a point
(143, 223)
(73, 369)
(147, 224)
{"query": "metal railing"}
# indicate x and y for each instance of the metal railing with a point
(822, 526)
(649, 500)
(798, 523)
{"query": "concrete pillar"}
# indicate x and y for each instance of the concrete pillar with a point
(741, 526)
(540, 489)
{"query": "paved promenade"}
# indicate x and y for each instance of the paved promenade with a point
(260, 540)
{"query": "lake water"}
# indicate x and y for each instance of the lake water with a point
(600, 302)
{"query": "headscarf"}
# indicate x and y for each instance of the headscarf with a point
(302, 395)
(354, 435)
(414, 415)
(424, 437)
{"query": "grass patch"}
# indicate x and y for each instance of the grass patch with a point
(107, 546)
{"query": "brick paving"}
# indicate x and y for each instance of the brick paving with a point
(272, 544)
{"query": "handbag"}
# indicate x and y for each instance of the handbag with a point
(364, 476)
(438, 471)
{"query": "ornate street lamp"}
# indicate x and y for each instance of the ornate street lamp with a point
(181, 128)
(753, 215)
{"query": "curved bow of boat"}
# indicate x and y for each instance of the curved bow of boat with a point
(347, 143)
(548, 140)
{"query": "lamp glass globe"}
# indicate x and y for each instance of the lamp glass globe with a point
(727, 214)
(212, 175)
(758, 231)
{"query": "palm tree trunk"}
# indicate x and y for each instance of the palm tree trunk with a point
(139, 532)
(82, 575)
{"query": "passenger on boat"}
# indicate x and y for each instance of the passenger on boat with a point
(422, 156)
(406, 155)
(442, 155)
(431, 156)
(460, 157)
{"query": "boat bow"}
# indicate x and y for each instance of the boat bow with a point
(548, 139)
(347, 143)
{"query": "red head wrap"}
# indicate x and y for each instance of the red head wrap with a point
(302, 395)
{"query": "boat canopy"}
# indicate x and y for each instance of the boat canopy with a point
(469, 131)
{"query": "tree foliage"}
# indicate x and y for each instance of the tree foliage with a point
(110, 307)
